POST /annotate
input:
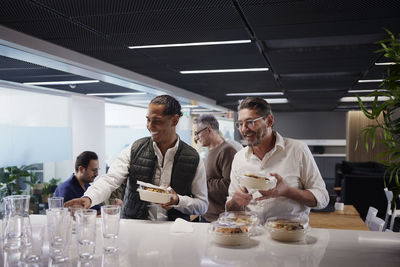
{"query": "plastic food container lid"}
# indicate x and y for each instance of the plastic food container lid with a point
(245, 218)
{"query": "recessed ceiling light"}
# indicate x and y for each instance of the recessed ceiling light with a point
(117, 94)
(276, 100)
(191, 44)
(371, 81)
(254, 94)
(222, 70)
(363, 98)
(62, 82)
(366, 91)
(385, 63)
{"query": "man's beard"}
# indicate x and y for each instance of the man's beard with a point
(88, 180)
(260, 134)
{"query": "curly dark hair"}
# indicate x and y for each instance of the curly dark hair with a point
(172, 106)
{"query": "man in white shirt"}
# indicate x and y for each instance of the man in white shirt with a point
(299, 182)
(162, 159)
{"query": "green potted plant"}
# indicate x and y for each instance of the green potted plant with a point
(389, 110)
(15, 178)
(49, 188)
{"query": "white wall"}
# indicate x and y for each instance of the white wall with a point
(88, 130)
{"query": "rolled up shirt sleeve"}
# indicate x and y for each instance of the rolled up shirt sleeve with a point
(198, 204)
(102, 188)
(312, 180)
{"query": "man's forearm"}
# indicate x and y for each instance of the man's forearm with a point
(302, 196)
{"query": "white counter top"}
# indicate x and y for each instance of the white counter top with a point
(146, 243)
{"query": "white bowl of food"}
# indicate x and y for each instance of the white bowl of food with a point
(258, 182)
(229, 234)
(290, 229)
(153, 193)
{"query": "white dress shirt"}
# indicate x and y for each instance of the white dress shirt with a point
(293, 161)
(101, 189)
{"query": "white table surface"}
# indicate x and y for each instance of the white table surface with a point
(146, 243)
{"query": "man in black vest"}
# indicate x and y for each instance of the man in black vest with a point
(162, 159)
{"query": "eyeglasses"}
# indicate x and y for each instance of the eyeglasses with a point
(248, 123)
(197, 133)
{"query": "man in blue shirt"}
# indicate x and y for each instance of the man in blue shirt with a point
(86, 170)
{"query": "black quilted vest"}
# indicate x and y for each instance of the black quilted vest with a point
(143, 167)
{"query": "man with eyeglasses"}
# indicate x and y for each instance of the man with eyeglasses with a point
(299, 183)
(86, 170)
(218, 164)
(161, 159)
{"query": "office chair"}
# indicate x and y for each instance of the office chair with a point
(372, 212)
(389, 212)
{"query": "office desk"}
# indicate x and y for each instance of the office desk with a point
(346, 219)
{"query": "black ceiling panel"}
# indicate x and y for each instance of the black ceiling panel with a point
(316, 49)
(164, 20)
(213, 57)
(315, 18)
(79, 8)
(13, 11)
(323, 59)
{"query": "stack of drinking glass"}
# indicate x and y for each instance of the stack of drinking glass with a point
(70, 231)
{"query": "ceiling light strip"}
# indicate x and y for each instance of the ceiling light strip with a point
(366, 91)
(222, 70)
(255, 94)
(190, 106)
(363, 98)
(117, 94)
(276, 100)
(190, 44)
(62, 82)
(371, 81)
(385, 63)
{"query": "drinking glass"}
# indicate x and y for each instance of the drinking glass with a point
(59, 231)
(110, 216)
(16, 224)
(86, 233)
(110, 260)
(74, 209)
(34, 253)
(55, 202)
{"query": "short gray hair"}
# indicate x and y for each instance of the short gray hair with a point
(259, 105)
(208, 120)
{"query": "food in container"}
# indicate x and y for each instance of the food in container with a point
(247, 218)
(152, 193)
(239, 218)
(287, 229)
(229, 234)
(258, 182)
